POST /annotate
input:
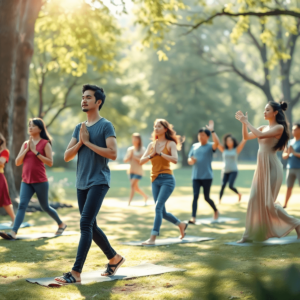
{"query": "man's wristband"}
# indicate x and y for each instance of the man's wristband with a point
(149, 156)
(212, 131)
(38, 153)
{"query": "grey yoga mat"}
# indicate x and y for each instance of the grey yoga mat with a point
(170, 241)
(206, 221)
(270, 242)
(41, 235)
(141, 270)
(7, 225)
(134, 203)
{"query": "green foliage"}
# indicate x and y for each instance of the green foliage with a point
(76, 38)
(164, 15)
(184, 91)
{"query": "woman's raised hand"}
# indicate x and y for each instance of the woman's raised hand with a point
(210, 125)
(241, 117)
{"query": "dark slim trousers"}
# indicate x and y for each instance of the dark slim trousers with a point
(229, 177)
(206, 184)
(89, 202)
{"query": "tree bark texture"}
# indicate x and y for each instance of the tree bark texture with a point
(9, 39)
(29, 13)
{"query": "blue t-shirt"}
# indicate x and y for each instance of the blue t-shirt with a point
(293, 161)
(92, 169)
(204, 155)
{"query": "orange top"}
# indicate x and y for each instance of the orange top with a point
(160, 165)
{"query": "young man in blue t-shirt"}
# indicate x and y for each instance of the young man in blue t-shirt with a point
(94, 141)
(200, 157)
(292, 153)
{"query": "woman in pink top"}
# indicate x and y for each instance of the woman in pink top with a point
(4, 194)
(34, 154)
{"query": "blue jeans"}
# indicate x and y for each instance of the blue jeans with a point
(26, 193)
(162, 188)
(89, 202)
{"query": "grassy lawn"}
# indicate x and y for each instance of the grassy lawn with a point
(214, 270)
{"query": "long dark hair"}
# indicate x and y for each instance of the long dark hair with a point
(44, 134)
(225, 137)
(170, 133)
(2, 141)
(138, 136)
(281, 119)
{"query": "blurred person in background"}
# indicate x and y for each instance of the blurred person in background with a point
(133, 156)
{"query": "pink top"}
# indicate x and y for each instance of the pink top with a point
(33, 168)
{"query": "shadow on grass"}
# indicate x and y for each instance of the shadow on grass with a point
(214, 270)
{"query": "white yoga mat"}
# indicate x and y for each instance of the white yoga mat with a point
(171, 241)
(207, 221)
(270, 242)
(7, 225)
(41, 235)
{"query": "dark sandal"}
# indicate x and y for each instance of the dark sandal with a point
(6, 236)
(68, 277)
(109, 267)
(191, 222)
(60, 231)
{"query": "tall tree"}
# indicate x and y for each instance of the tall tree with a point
(9, 35)
(29, 13)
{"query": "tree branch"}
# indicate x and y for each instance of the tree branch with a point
(64, 105)
(57, 114)
(270, 13)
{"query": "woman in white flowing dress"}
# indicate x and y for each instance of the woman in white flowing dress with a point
(265, 218)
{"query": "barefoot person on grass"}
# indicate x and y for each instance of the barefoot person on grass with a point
(5, 201)
(94, 142)
(200, 157)
(133, 156)
(34, 155)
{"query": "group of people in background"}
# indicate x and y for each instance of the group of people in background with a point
(94, 143)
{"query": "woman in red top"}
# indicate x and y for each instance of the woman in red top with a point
(33, 155)
(4, 194)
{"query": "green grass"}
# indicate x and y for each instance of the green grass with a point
(212, 267)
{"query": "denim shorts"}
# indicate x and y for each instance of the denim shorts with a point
(135, 176)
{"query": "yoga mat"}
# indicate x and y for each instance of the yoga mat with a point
(124, 204)
(6, 225)
(141, 270)
(207, 221)
(171, 241)
(270, 242)
(41, 235)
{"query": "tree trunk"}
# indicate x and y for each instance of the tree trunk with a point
(184, 156)
(9, 37)
(286, 90)
(30, 11)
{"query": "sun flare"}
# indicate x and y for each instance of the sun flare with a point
(71, 4)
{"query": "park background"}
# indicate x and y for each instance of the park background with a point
(183, 60)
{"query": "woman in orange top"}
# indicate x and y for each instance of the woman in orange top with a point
(161, 152)
(4, 195)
